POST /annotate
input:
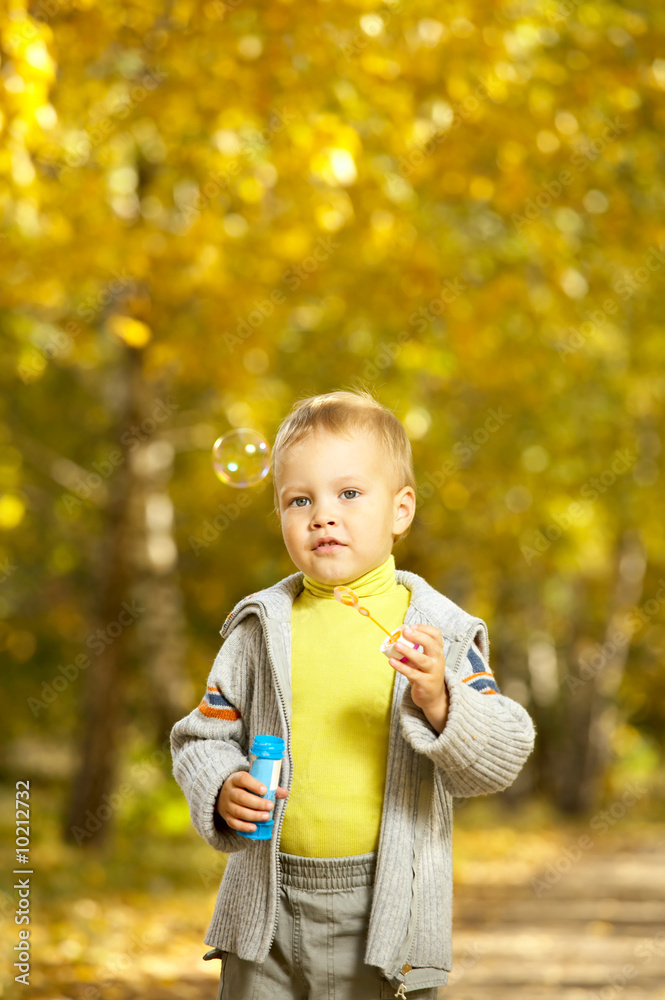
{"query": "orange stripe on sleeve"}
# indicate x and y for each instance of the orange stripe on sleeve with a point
(218, 713)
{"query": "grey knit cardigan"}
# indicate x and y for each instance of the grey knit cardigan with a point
(482, 748)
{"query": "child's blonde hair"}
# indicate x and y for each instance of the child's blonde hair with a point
(342, 412)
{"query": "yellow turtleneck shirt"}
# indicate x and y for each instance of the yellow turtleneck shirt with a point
(342, 689)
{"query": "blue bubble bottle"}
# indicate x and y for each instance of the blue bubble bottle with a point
(268, 752)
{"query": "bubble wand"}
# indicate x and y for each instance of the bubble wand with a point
(348, 597)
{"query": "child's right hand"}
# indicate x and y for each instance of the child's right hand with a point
(236, 804)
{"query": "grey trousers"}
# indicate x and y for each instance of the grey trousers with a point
(319, 945)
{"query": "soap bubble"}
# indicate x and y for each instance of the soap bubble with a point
(241, 457)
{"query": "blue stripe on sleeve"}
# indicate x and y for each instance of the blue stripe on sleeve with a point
(481, 683)
(476, 660)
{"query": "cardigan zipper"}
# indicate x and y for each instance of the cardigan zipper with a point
(288, 750)
(463, 642)
(266, 634)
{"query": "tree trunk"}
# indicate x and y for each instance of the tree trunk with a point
(605, 714)
(91, 804)
(590, 713)
(161, 629)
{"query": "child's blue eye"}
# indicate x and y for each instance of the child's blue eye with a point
(298, 498)
(351, 491)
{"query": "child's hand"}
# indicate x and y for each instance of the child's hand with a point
(425, 672)
(236, 804)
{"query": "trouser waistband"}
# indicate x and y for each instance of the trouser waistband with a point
(327, 873)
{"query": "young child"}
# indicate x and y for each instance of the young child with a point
(351, 898)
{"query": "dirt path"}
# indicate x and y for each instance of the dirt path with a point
(526, 927)
(586, 929)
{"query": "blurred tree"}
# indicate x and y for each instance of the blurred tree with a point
(463, 212)
(102, 703)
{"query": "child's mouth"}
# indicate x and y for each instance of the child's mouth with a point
(328, 547)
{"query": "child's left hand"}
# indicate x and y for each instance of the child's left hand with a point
(425, 672)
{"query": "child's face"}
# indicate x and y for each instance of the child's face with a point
(331, 486)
